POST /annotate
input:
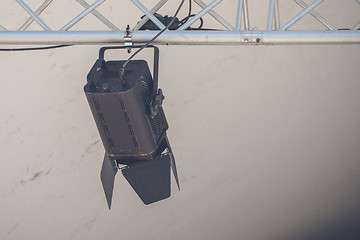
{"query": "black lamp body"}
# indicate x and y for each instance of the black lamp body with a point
(132, 126)
(121, 112)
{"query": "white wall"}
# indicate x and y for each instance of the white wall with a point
(267, 143)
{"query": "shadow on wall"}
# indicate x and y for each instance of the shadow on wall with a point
(345, 228)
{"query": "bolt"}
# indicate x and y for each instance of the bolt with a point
(258, 40)
(246, 40)
(105, 87)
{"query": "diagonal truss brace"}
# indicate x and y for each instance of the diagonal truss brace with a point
(215, 15)
(37, 12)
(82, 15)
(99, 16)
(317, 15)
(301, 14)
(33, 15)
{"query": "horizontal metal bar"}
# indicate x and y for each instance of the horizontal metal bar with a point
(181, 37)
(33, 15)
(82, 15)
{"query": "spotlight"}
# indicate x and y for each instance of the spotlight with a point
(127, 107)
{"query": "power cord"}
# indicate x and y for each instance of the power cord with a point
(32, 49)
(122, 71)
(149, 25)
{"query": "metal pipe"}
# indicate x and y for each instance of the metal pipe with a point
(2, 28)
(99, 16)
(246, 15)
(149, 14)
(200, 14)
(270, 15)
(316, 15)
(301, 14)
(37, 12)
(311, 37)
(33, 15)
(356, 26)
(215, 15)
(182, 37)
(82, 15)
(239, 14)
(277, 15)
(146, 17)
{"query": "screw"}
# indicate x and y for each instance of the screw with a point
(246, 40)
(105, 87)
(258, 40)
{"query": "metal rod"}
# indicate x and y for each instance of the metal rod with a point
(33, 15)
(301, 14)
(277, 15)
(274, 21)
(37, 12)
(181, 37)
(200, 14)
(82, 15)
(316, 15)
(270, 15)
(356, 26)
(99, 16)
(239, 14)
(215, 15)
(246, 15)
(2, 28)
(149, 14)
(146, 17)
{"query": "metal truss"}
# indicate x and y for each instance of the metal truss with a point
(237, 32)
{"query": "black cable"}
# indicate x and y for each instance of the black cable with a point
(189, 8)
(31, 49)
(201, 24)
(151, 40)
(185, 19)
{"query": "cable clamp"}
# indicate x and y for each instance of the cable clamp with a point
(128, 39)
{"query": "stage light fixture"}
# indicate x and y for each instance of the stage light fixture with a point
(126, 104)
